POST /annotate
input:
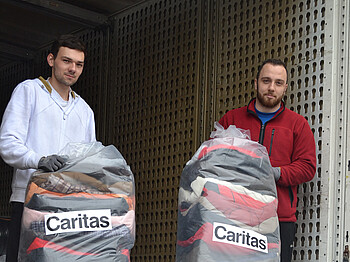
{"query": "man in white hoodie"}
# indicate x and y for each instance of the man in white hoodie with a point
(40, 119)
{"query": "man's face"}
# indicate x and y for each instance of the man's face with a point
(271, 87)
(67, 66)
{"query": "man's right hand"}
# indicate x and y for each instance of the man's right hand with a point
(51, 163)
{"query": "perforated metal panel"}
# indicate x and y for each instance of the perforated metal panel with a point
(155, 103)
(176, 66)
(92, 85)
(335, 211)
(236, 36)
(252, 31)
(10, 76)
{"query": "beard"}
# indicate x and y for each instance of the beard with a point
(269, 103)
(62, 80)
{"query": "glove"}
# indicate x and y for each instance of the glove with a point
(51, 163)
(276, 173)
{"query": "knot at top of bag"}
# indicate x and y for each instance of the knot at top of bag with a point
(231, 131)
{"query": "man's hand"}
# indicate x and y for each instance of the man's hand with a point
(51, 163)
(276, 173)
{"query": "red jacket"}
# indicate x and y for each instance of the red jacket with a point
(290, 144)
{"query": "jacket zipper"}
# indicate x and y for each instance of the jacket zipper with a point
(261, 140)
(262, 134)
(273, 132)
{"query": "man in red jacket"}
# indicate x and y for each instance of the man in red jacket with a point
(287, 137)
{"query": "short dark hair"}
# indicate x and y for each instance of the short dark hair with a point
(70, 41)
(276, 62)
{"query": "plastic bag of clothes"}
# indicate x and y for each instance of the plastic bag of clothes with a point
(83, 212)
(228, 202)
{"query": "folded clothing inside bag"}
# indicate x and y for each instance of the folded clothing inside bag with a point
(83, 212)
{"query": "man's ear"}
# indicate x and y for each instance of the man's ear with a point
(50, 59)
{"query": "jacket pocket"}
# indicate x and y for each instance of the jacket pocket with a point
(291, 196)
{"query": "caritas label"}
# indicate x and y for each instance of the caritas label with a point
(239, 237)
(76, 221)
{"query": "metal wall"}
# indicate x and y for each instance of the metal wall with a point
(10, 76)
(159, 52)
(334, 202)
(165, 70)
(249, 32)
(156, 50)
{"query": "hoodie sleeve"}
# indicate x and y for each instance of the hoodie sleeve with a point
(91, 133)
(14, 129)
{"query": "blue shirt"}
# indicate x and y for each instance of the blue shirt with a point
(264, 117)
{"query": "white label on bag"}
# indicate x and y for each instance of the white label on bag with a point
(240, 237)
(77, 221)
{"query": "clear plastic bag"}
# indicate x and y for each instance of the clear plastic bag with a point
(227, 208)
(84, 211)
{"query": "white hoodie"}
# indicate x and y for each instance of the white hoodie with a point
(39, 123)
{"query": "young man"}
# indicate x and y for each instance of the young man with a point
(40, 119)
(287, 137)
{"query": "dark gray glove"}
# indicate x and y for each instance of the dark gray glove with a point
(51, 163)
(276, 173)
